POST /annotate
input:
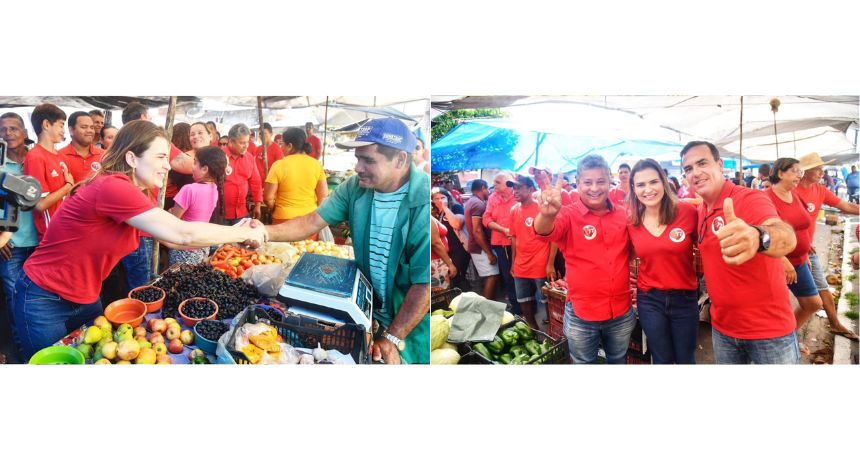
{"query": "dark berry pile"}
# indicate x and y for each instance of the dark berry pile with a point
(211, 330)
(146, 295)
(198, 308)
(186, 281)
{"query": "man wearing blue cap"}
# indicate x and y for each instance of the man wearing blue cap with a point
(387, 205)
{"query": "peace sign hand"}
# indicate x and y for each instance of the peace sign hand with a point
(550, 199)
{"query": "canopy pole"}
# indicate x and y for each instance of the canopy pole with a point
(325, 131)
(262, 138)
(741, 147)
(774, 107)
(168, 126)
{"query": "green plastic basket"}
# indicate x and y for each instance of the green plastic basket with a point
(58, 354)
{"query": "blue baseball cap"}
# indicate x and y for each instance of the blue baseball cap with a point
(389, 132)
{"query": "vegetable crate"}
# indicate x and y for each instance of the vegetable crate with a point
(555, 301)
(557, 354)
(304, 332)
(442, 299)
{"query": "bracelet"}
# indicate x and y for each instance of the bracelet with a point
(70, 183)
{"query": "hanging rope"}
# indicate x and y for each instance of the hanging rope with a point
(774, 107)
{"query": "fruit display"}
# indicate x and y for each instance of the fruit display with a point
(326, 248)
(187, 281)
(233, 260)
(198, 308)
(146, 295)
(140, 345)
(260, 343)
(212, 330)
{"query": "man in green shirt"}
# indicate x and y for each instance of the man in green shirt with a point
(387, 205)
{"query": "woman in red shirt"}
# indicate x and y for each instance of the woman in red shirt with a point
(663, 231)
(58, 289)
(784, 177)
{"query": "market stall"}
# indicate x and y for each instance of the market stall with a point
(236, 308)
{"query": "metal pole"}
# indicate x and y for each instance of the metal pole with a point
(171, 113)
(325, 131)
(741, 147)
(265, 145)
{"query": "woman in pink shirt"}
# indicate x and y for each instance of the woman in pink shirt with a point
(195, 202)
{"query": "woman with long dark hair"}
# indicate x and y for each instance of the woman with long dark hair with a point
(58, 289)
(663, 232)
(296, 184)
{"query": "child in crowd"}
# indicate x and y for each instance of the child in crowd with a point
(196, 202)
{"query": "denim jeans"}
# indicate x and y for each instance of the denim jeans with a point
(670, 320)
(138, 264)
(503, 256)
(42, 317)
(584, 337)
(780, 350)
(9, 270)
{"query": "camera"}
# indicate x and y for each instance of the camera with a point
(17, 193)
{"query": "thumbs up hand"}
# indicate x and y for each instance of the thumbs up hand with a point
(550, 199)
(739, 241)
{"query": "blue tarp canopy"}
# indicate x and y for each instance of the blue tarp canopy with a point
(490, 144)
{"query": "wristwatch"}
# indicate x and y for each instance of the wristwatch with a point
(400, 344)
(763, 238)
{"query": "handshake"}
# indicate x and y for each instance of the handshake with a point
(255, 232)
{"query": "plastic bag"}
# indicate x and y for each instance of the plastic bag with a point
(326, 235)
(268, 279)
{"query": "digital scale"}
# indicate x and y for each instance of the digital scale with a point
(328, 288)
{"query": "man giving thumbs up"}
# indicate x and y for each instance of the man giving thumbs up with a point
(741, 240)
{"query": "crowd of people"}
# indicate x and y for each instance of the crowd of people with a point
(104, 186)
(753, 243)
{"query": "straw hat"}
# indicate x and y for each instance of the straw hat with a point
(812, 160)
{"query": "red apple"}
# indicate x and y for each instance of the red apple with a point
(159, 326)
(140, 332)
(175, 346)
(150, 323)
(163, 359)
(156, 337)
(173, 332)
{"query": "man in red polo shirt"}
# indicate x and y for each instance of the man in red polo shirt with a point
(81, 156)
(814, 195)
(543, 178)
(273, 153)
(46, 165)
(618, 194)
(315, 142)
(497, 218)
(741, 242)
(241, 174)
(530, 254)
(592, 235)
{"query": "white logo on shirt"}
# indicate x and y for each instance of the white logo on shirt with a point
(228, 170)
(589, 231)
(717, 224)
(810, 207)
(96, 166)
(54, 173)
(529, 221)
(677, 235)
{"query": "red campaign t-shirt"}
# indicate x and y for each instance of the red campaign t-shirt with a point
(796, 215)
(273, 154)
(80, 167)
(45, 167)
(532, 252)
(596, 253)
(666, 261)
(499, 211)
(172, 189)
(73, 258)
(748, 301)
(241, 173)
(316, 146)
(617, 196)
(814, 196)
